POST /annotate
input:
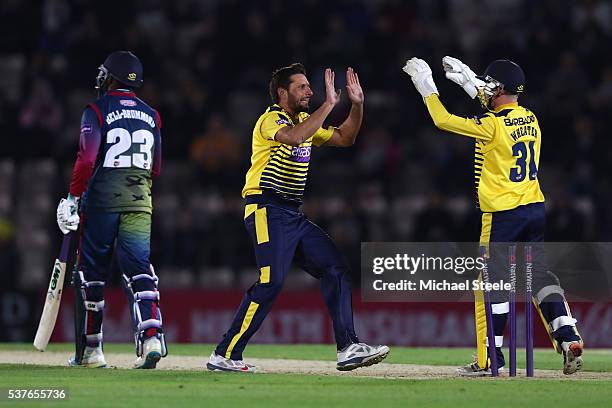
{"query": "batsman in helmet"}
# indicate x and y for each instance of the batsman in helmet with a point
(507, 152)
(110, 198)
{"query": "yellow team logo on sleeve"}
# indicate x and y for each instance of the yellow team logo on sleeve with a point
(132, 76)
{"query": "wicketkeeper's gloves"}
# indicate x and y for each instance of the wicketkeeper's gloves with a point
(420, 73)
(462, 75)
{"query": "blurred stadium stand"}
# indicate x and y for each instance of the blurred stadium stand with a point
(207, 67)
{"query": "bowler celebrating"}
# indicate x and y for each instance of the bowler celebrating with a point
(282, 142)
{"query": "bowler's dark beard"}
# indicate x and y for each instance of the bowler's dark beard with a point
(298, 108)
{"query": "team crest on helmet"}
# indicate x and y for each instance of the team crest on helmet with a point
(132, 76)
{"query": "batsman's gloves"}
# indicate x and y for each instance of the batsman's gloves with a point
(68, 214)
(420, 73)
(462, 75)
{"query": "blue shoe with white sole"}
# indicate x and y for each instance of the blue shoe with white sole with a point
(360, 355)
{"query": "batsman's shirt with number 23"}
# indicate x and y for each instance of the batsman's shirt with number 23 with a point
(277, 167)
(507, 153)
(120, 152)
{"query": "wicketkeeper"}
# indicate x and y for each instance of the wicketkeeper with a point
(507, 153)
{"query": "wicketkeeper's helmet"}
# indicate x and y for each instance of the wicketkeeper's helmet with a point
(501, 76)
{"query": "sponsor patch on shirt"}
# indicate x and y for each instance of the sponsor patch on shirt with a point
(282, 122)
(85, 129)
(301, 154)
(127, 102)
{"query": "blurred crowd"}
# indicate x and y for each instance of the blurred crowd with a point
(207, 66)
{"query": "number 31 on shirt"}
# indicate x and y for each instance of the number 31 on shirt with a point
(523, 161)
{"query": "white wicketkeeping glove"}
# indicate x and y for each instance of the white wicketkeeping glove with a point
(420, 73)
(462, 75)
(68, 214)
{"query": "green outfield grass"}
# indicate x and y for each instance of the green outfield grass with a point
(131, 388)
(134, 388)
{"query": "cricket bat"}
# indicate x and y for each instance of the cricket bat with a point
(54, 297)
